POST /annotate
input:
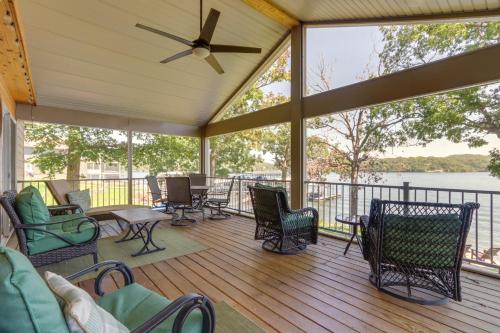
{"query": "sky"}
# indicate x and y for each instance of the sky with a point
(351, 51)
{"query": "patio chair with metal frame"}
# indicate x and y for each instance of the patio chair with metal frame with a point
(217, 201)
(180, 197)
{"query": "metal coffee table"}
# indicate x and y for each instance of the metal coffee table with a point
(141, 222)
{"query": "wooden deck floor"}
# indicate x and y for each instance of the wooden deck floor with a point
(317, 291)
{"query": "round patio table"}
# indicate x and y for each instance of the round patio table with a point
(355, 221)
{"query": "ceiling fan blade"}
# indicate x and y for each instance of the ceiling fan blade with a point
(177, 56)
(165, 34)
(216, 48)
(209, 26)
(215, 64)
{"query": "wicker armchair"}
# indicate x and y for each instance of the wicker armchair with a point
(283, 230)
(415, 249)
(65, 237)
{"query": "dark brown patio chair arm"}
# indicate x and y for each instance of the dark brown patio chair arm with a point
(107, 267)
(61, 208)
(183, 306)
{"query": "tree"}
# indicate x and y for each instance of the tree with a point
(166, 153)
(494, 166)
(357, 137)
(59, 147)
(466, 115)
(235, 152)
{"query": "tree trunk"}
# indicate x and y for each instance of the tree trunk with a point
(354, 190)
(213, 164)
(284, 173)
(73, 155)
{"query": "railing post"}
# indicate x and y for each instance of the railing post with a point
(239, 195)
(129, 165)
(406, 191)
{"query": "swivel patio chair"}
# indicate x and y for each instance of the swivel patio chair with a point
(31, 306)
(198, 179)
(415, 249)
(63, 237)
(217, 201)
(180, 197)
(159, 197)
(283, 230)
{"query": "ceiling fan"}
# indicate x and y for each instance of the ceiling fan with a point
(201, 46)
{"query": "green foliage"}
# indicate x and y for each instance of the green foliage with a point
(58, 147)
(452, 163)
(467, 115)
(494, 165)
(164, 153)
(235, 153)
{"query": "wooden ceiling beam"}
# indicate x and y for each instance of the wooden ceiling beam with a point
(14, 61)
(464, 70)
(275, 13)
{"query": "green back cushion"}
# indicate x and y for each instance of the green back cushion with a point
(32, 210)
(426, 240)
(26, 303)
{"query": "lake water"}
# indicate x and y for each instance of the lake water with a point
(456, 180)
(485, 228)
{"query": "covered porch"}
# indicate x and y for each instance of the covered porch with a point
(320, 290)
(70, 64)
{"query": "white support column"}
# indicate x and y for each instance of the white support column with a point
(297, 131)
(204, 154)
(129, 165)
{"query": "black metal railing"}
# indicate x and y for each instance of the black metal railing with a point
(329, 198)
(483, 242)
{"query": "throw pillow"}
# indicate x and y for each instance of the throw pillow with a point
(80, 198)
(82, 314)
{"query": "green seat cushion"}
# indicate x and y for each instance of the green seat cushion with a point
(424, 240)
(31, 209)
(26, 303)
(68, 231)
(134, 304)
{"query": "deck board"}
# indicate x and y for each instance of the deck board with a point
(319, 290)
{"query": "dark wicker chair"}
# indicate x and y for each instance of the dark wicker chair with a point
(415, 249)
(283, 230)
(72, 250)
(217, 201)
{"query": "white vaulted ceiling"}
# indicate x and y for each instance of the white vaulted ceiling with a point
(326, 10)
(87, 55)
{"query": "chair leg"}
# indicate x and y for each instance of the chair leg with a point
(95, 257)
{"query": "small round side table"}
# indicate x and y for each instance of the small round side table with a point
(355, 221)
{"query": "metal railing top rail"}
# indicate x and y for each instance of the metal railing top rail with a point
(401, 187)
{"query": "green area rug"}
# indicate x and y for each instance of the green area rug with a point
(175, 242)
(229, 320)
